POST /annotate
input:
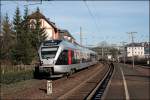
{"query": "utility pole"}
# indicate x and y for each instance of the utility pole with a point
(123, 44)
(81, 36)
(132, 42)
(84, 42)
(102, 53)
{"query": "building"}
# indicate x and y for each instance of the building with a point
(135, 49)
(140, 50)
(147, 49)
(53, 33)
(65, 35)
(50, 27)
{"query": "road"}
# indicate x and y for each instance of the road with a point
(128, 83)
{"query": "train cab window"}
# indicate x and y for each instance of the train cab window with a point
(47, 53)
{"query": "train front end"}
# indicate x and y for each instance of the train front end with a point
(47, 54)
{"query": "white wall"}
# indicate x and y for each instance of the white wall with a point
(137, 51)
(48, 29)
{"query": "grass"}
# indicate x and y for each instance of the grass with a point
(15, 76)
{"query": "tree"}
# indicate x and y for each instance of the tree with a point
(27, 41)
(114, 52)
(25, 38)
(23, 51)
(17, 23)
(17, 51)
(38, 33)
(7, 37)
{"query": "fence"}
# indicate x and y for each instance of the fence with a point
(15, 68)
(16, 73)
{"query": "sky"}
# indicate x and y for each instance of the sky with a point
(100, 20)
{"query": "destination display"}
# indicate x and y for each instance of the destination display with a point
(51, 42)
(49, 49)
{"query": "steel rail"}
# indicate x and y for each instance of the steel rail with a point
(98, 91)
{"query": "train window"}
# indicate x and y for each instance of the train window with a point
(74, 57)
(63, 58)
(47, 53)
(77, 56)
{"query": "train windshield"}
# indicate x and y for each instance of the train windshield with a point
(48, 53)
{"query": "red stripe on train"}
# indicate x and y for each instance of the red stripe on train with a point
(69, 57)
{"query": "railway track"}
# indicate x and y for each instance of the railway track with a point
(98, 91)
(76, 87)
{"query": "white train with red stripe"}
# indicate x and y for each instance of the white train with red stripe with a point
(60, 57)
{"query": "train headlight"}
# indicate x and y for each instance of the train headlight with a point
(41, 62)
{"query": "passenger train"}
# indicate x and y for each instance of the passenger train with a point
(60, 57)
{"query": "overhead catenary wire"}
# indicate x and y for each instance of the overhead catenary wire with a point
(91, 14)
(17, 2)
(33, 3)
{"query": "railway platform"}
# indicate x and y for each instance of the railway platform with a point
(128, 83)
